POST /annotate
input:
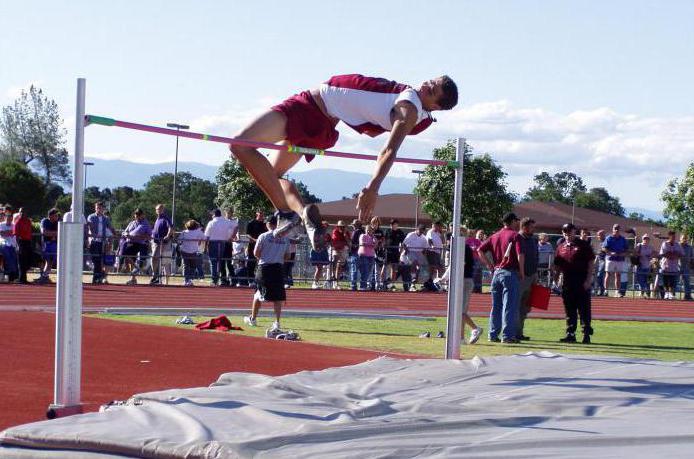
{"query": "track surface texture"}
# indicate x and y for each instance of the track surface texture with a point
(121, 297)
(121, 359)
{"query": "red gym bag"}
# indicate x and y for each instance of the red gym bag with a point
(539, 296)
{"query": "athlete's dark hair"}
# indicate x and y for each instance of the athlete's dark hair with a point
(449, 99)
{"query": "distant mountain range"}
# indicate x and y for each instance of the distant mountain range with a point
(327, 184)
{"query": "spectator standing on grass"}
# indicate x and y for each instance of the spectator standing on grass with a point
(226, 268)
(320, 259)
(685, 266)
(25, 249)
(615, 248)
(358, 230)
(437, 241)
(192, 241)
(339, 250)
(600, 261)
(375, 278)
(480, 236)
(162, 245)
(49, 244)
(254, 229)
(505, 248)
(100, 231)
(217, 233)
(136, 238)
(545, 253)
(367, 254)
(392, 239)
(574, 260)
(270, 251)
(670, 252)
(415, 244)
(645, 253)
(529, 256)
(8, 246)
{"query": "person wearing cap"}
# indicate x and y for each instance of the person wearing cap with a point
(615, 248)
(574, 259)
(670, 252)
(508, 268)
(339, 249)
(136, 246)
(644, 251)
(271, 252)
(358, 227)
(49, 243)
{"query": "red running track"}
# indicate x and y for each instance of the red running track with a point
(99, 298)
(121, 359)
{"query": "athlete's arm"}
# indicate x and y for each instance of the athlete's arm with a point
(405, 118)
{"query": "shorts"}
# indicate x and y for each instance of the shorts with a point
(269, 280)
(319, 258)
(468, 284)
(50, 250)
(433, 258)
(307, 126)
(338, 255)
(392, 256)
(612, 266)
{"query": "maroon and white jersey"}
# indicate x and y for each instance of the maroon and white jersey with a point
(365, 103)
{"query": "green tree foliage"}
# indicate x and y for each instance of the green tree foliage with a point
(678, 197)
(21, 187)
(600, 199)
(236, 188)
(560, 187)
(32, 133)
(485, 197)
(194, 199)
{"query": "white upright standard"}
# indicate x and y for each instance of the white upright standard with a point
(68, 299)
(457, 264)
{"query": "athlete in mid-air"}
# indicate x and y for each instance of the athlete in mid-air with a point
(368, 105)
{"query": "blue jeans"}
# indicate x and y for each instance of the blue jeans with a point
(503, 317)
(215, 250)
(599, 284)
(353, 270)
(642, 279)
(686, 283)
(366, 265)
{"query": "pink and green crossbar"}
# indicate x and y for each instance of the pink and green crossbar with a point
(104, 121)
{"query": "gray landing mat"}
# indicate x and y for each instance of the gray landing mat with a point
(523, 406)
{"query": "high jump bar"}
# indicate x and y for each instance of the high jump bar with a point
(104, 121)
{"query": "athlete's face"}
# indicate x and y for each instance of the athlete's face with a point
(430, 92)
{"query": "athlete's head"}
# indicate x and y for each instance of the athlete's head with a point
(438, 94)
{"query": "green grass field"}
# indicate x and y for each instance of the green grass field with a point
(651, 340)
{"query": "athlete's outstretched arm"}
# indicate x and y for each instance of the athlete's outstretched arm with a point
(405, 119)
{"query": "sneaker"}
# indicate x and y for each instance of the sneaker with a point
(273, 331)
(475, 335)
(315, 285)
(185, 320)
(154, 281)
(188, 283)
(425, 335)
(290, 335)
(314, 227)
(286, 286)
(286, 223)
(250, 321)
(440, 335)
(569, 338)
(523, 338)
(510, 341)
(494, 339)
(586, 339)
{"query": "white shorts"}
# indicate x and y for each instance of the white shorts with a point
(612, 266)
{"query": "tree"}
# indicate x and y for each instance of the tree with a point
(560, 187)
(485, 197)
(600, 199)
(21, 187)
(678, 197)
(33, 134)
(236, 188)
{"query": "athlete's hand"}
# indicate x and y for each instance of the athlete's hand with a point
(365, 204)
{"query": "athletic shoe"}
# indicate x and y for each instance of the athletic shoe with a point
(154, 281)
(315, 285)
(185, 320)
(289, 335)
(286, 223)
(510, 341)
(586, 339)
(314, 227)
(475, 335)
(425, 335)
(569, 338)
(440, 335)
(285, 286)
(249, 321)
(494, 339)
(273, 331)
(188, 283)
(523, 338)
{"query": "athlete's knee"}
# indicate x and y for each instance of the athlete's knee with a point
(239, 150)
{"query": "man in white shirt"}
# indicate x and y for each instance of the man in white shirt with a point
(369, 105)
(436, 240)
(415, 244)
(226, 270)
(8, 246)
(217, 232)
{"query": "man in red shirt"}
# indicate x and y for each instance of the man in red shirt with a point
(505, 248)
(574, 259)
(22, 231)
(339, 242)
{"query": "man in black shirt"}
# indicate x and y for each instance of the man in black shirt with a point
(393, 238)
(254, 229)
(529, 256)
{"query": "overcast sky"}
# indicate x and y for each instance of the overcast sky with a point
(603, 89)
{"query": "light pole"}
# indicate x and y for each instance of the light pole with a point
(178, 127)
(86, 168)
(416, 209)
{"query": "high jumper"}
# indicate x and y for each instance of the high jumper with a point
(368, 105)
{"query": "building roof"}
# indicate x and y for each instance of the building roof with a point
(549, 216)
